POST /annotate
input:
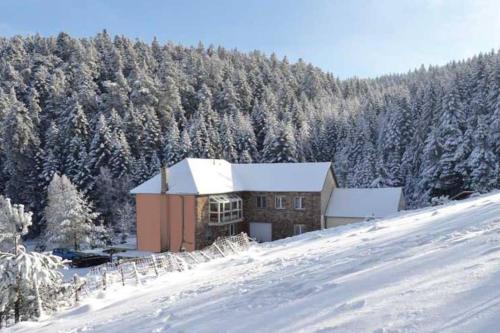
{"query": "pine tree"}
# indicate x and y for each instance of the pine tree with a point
(173, 151)
(100, 147)
(482, 161)
(14, 223)
(30, 282)
(228, 145)
(281, 146)
(20, 146)
(450, 134)
(68, 214)
(120, 155)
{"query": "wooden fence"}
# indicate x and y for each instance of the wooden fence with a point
(134, 270)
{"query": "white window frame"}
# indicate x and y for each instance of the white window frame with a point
(298, 200)
(299, 229)
(225, 209)
(281, 200)
(261, 199)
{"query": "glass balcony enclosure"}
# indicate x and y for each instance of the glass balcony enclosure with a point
(225, 209)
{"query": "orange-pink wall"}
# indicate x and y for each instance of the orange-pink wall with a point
(148, 222)
(163, 219)
(181, 209)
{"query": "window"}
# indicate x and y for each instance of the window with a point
(280, 202)
(232, 229)
(225, 208)
(208, 234)
(299, 229)
(261, 201)
(298, 203)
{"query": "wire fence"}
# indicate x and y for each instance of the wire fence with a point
(135, 270)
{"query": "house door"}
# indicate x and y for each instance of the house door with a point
(262, 232)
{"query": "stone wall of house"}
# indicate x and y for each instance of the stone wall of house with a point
(206, 234)
(283, 220)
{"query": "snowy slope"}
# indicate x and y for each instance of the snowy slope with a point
(433, 270)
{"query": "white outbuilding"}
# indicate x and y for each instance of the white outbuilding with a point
(348, 205)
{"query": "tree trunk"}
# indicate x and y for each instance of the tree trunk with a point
(38, 300)
(17, 304)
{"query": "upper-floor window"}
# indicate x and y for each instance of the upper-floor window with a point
(280, 202)
(298, 203)
(261, 201)
(225, 208)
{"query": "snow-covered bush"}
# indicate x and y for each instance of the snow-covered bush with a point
(436, 201)
(69, 216)
(14, 223)
(125, 223)
(30, 284)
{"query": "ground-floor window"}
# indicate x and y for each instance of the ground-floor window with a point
(232, 229)
(208, 234)
(299, 229)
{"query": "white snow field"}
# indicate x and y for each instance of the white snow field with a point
(432, 270)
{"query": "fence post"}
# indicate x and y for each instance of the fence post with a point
(122, 275)
(218, 248)
(136, 273)
(104, 279)
(154, 264)
(193, 257)
(77, 288)
(231, 246)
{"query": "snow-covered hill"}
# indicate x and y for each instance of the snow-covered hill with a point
(433, 270)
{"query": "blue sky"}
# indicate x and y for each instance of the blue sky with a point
(348, 38)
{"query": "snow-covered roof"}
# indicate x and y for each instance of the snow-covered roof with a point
(364, 202)
(212, 176)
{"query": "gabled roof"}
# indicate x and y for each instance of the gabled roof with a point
(364, 202)
(212, 176)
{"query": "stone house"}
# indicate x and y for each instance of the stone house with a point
(190, 204)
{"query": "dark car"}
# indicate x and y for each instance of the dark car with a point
(81, 259)
(89, 259)
(65, 253)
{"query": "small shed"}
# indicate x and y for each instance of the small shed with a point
(349, 205)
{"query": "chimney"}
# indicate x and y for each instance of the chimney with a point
(164, 179)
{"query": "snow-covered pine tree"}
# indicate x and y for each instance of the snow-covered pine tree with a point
(68, 214)
(100, 147)
(281, 146)
(228, 145)
(172, 147)
(30, 282)
(121, 157)
(20, 144)
(125, 222)
(450, 135)
(244, 139)
(482, 162)
(14, 223)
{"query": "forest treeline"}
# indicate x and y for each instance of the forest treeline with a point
(108, 111)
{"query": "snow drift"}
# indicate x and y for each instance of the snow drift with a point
(432, 270)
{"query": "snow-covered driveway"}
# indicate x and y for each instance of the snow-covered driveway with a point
(433, 270)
